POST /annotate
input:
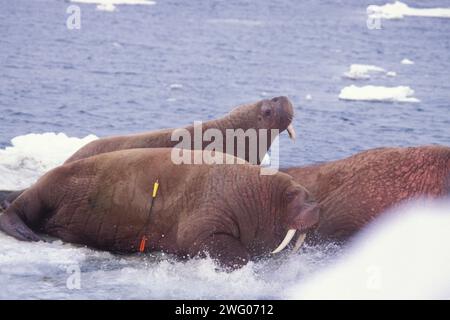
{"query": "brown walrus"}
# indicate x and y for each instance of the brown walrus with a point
(109, 202)
(276, 113)
(352, 192)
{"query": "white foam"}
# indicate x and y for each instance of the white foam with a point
(55, 253)
(378, 93)
(399, 10)
(110, 5)
(363, 71)
(32, 155)
(407, 61)
(402, 256)
(39, 270)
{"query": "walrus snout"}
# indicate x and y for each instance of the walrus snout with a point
(284, 107)
(285, 111)
(308, 217)
(305, 221)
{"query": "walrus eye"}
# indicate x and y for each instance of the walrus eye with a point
(267, 113)
(291, 195)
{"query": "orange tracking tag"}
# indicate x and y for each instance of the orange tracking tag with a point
(143, 243)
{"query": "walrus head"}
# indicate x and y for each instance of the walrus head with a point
(276, 113)
(301, 215)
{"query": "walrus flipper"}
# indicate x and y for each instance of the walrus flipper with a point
(4, 203)
(7, 197)
(11, 224)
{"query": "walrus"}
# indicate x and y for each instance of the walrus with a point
(352, 192)
(276, 113)
(139, 200)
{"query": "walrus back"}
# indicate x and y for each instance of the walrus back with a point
(158, 139)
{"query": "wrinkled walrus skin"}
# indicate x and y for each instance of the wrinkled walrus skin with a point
(105, 202)
(352, 192)
(276, 113)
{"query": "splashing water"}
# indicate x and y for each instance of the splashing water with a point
(44, 270)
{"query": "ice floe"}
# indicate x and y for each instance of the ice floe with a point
(31, 155)
(110, 5)
(378, 93)
(363, 71)
(175, 86)
(407, 61)
(404, 255)
(399, 10)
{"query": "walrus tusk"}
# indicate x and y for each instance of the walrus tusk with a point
(290, 129)
(289, 235)
(299, 242)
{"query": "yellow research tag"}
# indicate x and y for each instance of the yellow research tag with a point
(155, 189)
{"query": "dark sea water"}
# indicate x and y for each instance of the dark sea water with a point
(142, 68)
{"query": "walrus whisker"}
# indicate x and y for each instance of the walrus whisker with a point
(289, 235)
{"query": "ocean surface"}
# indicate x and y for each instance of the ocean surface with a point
(134, 68)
